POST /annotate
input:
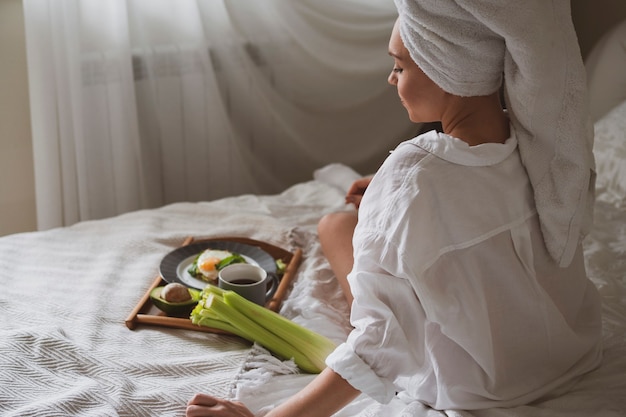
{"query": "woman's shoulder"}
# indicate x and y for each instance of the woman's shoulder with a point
(417, 187)
(416, 146)
(406, 158)
(395, 187)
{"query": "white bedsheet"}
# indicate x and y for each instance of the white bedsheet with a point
(65, 293)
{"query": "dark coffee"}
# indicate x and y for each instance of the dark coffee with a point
(243, 281)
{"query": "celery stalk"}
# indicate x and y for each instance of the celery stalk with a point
(204, 317)
(219, 324)
(311, 344)
(213, 289)
(228, 311)
(254, 332)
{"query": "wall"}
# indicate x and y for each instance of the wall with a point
(590, 24)
(17, 187)
(17, 195)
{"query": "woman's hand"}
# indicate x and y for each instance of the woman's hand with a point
(202, 405)
(356, 191)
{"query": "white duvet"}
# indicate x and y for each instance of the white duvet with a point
(65, 293)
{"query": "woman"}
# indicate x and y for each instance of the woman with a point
(456, 301)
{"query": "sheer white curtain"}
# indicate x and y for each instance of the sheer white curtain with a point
(140, 103)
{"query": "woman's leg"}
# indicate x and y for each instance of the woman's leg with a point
(335, 232)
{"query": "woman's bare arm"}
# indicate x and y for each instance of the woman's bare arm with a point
(325, 395)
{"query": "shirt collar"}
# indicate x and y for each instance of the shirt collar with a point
(459, 152)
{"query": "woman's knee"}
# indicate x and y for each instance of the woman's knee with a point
(326, 223)
(332, 224)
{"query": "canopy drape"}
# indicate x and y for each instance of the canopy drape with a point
(141, 103)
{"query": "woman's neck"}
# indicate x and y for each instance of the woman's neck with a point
(476, 120)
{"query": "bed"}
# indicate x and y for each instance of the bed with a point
(66, 295)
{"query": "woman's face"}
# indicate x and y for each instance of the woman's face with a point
(423, 99)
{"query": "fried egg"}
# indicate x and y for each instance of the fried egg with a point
(208, 260)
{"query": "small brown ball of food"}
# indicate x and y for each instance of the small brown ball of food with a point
(175, 293)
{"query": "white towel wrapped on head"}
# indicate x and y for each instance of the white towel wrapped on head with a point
(467, 46)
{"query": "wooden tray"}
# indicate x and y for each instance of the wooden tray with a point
(146, 313)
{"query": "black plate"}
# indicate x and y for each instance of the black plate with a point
(175, 264)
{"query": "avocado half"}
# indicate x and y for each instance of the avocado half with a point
(175, 309)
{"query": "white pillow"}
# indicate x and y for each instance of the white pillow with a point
(606, 72)
(609, 150)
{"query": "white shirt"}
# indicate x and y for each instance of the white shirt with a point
(457, 303)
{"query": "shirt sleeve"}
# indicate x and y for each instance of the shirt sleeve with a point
(383, 347)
